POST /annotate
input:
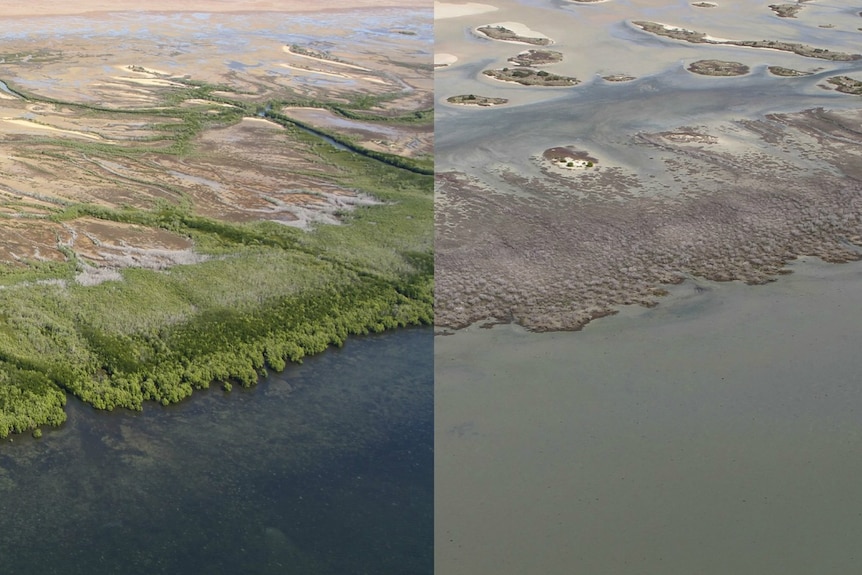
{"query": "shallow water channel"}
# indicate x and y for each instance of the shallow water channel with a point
(325, 468)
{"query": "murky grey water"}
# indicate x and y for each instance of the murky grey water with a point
(717, 433)
(323, 469)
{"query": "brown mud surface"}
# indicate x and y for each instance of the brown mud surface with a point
(576, 249)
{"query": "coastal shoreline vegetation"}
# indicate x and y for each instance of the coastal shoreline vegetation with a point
(531, 77)
(694, 37)
(263, 294)
(474, 100)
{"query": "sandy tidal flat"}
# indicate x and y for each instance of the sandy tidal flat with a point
(444, 59)
(444, 10)
(51, 8)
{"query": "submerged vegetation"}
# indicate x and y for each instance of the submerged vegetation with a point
(262, 295)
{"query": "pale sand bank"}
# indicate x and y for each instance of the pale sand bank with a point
(263, 121)
(314, 71)
(148, 81)
(706, 37)
(445, 59)
(145, 71)
(444, 10)
(333, 62)
(51, 8)
(34, 125)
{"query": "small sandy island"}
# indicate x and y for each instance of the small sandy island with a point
(568, 158)
(513, 32)
(474, 100)
(444, 10)
(786, 72)
(618, 78)
(442, 60)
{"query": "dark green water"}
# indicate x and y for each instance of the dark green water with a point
(326, 468)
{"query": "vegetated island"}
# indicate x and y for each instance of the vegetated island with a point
(528, 77)
(568, 157)
(702, 38)
(506, 35)
(847, 85)
(474, 100)
(718, 68)
(317, 54)
(151, 249)
(618, 78)
(786, 10)
(704, 4)
(536, 58)
(786, 72)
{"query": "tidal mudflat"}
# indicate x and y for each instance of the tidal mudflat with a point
(694, 178)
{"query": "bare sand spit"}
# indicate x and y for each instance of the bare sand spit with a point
(443, 10)
(289, 50)
(441, 59)
(37, 126)
(50, 7)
